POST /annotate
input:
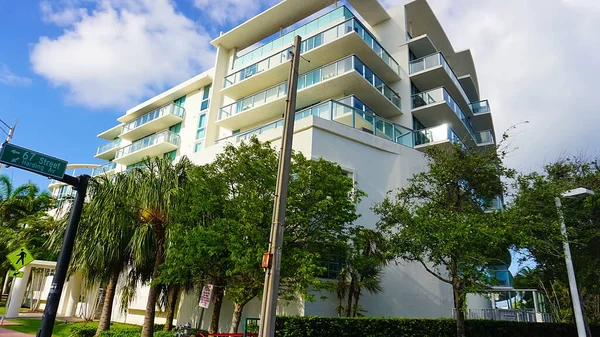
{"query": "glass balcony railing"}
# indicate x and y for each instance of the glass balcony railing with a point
(104, 168)
(480, 107)
(346, 27)
(441, 95)
(108, 146)
(436, 134)
(157, 138)
(171, 108)
(337, 15)
(435, 60)
(349, 111)
(501, 277)
(484, 137)
(347, 64)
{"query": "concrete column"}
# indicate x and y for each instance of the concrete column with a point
(493, 301)
(535, 302)
(5, 285)
(18, 291)
(70, 296)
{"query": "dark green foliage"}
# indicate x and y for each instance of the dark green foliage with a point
(294, 326)
(132, 331)
(82, 331)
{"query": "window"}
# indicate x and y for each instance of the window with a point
(201, 132)
(171, 155)
(205, 98)
(175, 128)
(198, 146)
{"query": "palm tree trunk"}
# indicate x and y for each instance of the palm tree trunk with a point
(216, 315)
(459, 302)
(148, 328)
(356, 298)
(350, 295)
(173, 294)
(109, 297)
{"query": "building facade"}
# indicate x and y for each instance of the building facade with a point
(376, 87)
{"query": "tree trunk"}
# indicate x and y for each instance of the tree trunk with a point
(109, 297)
(459, 302)
(350, 293)
(355, 307)
(173, 294)
(219, 291)
(237, 316)
(148, 327)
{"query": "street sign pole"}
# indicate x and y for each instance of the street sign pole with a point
(80, 184)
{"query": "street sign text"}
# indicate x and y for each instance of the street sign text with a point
(36, 162)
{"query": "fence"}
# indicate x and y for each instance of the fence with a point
(515, 315)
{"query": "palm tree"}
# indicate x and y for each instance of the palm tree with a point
(152, 192)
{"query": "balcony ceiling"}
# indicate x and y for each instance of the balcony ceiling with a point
(111, 133)
(438, 77)
(438, 113)
(370, 10)
(470, 87)
(107, 155)
(421, 46)
(267, 23)
(483, 122)
(161, 123)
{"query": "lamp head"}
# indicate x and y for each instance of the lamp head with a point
(577, 192)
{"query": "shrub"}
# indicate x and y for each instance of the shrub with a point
(294, 326)
(81, 330)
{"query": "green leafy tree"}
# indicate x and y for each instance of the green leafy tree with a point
(535, 215)
(438, 219)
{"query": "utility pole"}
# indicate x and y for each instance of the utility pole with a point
(10, 133)
(272, 259)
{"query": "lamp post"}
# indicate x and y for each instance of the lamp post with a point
(582, 331)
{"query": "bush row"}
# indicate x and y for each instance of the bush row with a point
(79, 330)
(294, 326)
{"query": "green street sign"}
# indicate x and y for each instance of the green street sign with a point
(16, 274)
(35, 162)
(20, 258)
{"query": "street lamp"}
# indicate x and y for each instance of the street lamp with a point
(577, 310)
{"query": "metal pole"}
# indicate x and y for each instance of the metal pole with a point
(581, 330)
(11, 132)
(269, 302)
(64, 258)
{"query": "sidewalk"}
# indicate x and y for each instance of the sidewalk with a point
(10, 333)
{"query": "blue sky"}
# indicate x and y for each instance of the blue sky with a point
(69, 68)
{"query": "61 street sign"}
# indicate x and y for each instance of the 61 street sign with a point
(36, 162)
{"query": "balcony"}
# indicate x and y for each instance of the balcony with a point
(341, 111)
(108, 150)
(107, 168)
(348, 75)
(441, 135)
(437, 106)
(482, 117)
(434, 71)
(484, 138)
(153, 121)
(151, 146)
(323, 47)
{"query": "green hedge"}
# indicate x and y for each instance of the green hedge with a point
(133, 331)
(294, 326)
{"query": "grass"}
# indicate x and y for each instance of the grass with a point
(61, 329)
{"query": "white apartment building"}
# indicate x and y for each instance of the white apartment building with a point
(376, 87)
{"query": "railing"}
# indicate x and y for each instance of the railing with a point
(347, 64)
(517, 315)
(435, 60)
(484, 137)
(338, 14)
(108, 146)
(104, 168)
(170, 108)
(343, 113)
(161, 137)
(346, 27)
(480, 107)
(503, 277)
(439, 95)
(436, 134)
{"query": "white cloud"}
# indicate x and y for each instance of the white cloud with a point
(62, 12)
(122, 51)
(7, 77)
(536, 61)
(232, 11)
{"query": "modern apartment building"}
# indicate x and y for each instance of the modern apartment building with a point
(376, 87)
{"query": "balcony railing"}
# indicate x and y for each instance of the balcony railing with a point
(346, 27)
(440, 95)
(161, 137)
(347, 64)
(436, 134)
(341, 111)
(517, 315)
(108, 146)
(435, 60)
(480, 107)
(171, 108)
(484, 137)
(104, 168)
(337, 15)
